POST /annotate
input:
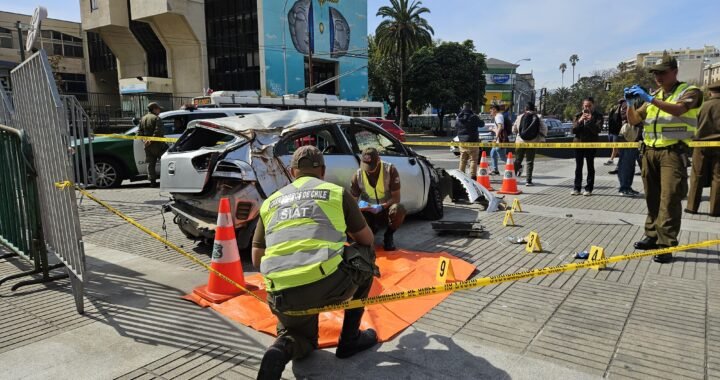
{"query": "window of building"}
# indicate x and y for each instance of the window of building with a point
(6, 40)
(70, 83)
(322, 70)
(93, 5)
(233, 49)
(101, 58)
(57, 43)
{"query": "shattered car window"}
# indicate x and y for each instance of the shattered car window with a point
(322, 139)
(368, 139)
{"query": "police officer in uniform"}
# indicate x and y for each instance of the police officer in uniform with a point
(299, 246)
(669, 116)
(151, 125)
(706, 161)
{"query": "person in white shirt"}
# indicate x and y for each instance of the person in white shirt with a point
(501, 136)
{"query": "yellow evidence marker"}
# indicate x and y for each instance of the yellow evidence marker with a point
(508, 220)
(596, 253)
(533, 243)
(445, 271)
(516, 205)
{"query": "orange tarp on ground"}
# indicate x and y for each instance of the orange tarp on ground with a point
(400, 270)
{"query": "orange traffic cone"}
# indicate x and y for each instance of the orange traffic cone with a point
(509, 184)
(483, 177)
(225, 259)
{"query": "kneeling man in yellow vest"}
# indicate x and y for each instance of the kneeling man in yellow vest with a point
(376, 187)
(300, 247)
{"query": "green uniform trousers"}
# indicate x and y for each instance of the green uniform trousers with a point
(153, 152)
(350, 280)
(664, 176)
(705, 162)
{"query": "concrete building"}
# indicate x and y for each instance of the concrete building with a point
(502, 83)
(711, 73)
(183, 47)
(691, 62)
(63, 42)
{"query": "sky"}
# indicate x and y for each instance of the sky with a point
(601, 33)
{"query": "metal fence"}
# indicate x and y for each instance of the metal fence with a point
(79, 131)
(39, 112)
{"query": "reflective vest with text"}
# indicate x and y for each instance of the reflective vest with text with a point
(662, 129)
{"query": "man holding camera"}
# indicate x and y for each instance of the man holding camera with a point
(669, 116)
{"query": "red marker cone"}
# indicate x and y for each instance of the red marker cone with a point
(509, 184)
(225, 259)
(483, 177)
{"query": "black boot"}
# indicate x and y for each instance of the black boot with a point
(663, 259)
(352, 340)
(274, 361)
(646, 243)
(389, 243)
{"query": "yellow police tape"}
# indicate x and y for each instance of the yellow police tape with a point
(551, 145)
(411, 293)
(67, 184)
(133, 137)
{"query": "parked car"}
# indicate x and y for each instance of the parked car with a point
(253, 162)
(389, 126)
(556, 128)
(117, 159)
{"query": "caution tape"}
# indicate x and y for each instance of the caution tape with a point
(551, 145)
(131, 137)
(492, 280)
(67, 184)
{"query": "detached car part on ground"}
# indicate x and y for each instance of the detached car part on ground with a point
(247, 159)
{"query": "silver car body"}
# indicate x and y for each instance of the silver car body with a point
(247, 159)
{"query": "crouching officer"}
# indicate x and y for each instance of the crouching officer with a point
(151, 125)
(299, 246)
(377, 185)
(706, 161)
(670, 121)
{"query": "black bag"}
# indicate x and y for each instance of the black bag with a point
(615, 120)
(529, 127)
(507, 127)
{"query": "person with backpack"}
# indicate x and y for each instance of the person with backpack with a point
(529, 127)
(586, 128)
(467, 131)
(501, 136)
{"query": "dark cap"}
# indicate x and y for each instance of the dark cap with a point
(307, 157)
(666, 63)
(369, 160)
(714, 86)
(152, 105)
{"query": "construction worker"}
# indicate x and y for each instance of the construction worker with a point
(151, 125)
(706, 161)
(376, 186)
(670, 121)
(300, 247)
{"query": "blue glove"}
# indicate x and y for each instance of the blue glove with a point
(376, 209)
(363, 204)
(637, 91)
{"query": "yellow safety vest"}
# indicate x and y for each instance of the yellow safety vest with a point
(377, 193)
(304, 233)
(662, 129)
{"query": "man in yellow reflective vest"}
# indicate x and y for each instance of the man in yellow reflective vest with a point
(300, 247)
(376, 185)
(669, 116)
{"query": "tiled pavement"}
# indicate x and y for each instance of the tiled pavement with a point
(636, 319)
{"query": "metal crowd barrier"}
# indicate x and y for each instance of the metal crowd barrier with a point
(40, 113)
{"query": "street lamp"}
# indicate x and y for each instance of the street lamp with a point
(512, 93)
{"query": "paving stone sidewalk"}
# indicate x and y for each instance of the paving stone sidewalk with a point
(636, 319)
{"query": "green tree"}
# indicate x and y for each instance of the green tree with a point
(573, 61)
(383, 76)
(402, 32)
(445, 76)
(563, 67)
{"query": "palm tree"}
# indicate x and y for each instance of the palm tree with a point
(563, 67)
(402, 32)
(573, 60)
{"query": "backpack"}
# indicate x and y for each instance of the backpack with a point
(529, 127)
(508, 124)
(615, 120)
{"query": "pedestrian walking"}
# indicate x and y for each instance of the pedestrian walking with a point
(670, 117)
(627, 156)
(467, 131)
(706, 161)
(528, 127)
(586, 128)
(151, 125)
(501, 136)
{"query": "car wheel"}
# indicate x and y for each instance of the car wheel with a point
(108, 173)
(434, 209)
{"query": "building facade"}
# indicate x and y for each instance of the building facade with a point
(711, 73)
(63, 42)
(503, 84)
(184, 47)
(691, 62)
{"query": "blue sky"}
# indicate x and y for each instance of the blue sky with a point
(601, 33)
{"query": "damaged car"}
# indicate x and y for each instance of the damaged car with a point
(247, 158)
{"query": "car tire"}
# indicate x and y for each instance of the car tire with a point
(109, 173)
(434, 209)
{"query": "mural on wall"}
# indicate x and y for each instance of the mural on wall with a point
(333, 31)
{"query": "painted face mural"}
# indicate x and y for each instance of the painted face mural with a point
(339, 34)
(300, 22)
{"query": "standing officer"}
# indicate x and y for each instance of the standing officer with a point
(299, 246)
(670, 120)
(706, 161)
(377, 183)
(151, 125)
